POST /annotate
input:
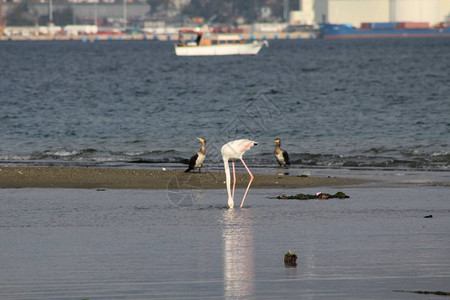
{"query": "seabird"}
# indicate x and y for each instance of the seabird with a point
(197, 159)
(234, 150)
(281, 155)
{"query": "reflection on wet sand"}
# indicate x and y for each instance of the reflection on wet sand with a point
(238, 251)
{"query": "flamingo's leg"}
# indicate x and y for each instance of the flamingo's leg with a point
(249, 183)
(234, 179)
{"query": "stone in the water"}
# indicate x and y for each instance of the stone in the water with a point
(290, 259)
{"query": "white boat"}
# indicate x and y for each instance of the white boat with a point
(198, 43)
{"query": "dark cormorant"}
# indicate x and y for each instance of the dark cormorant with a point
(281, 155)
(197, 159)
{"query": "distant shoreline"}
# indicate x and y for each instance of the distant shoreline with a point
(151, 37)
(115, 178)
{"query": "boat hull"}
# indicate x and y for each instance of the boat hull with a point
(338, 31)
(225, 49)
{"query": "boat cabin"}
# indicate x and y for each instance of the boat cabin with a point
(189, 37)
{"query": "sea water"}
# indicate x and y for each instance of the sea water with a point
(375, 109)
(379, 103)
(136, 244)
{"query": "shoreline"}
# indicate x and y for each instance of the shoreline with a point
(112, 178)
(299, 35)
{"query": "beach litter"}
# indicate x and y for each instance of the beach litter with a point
(319, 195)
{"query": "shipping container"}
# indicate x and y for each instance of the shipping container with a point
(383, 26)
(366, 26)
(413, 25)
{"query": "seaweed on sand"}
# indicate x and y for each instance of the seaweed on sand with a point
(322, 196)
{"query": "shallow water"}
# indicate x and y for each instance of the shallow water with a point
(136, 244)
(379, 103)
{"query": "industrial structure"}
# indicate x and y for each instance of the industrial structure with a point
(122, 16)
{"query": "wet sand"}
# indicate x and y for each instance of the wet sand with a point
(114, 178)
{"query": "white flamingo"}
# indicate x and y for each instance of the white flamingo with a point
(233, 150)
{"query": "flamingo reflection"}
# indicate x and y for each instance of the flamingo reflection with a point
(238, 254)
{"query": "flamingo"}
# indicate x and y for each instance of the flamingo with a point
(233, 150)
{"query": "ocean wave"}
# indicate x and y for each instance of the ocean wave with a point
(415, 159)
(129, 153)
(6, 158)
(445, 153)
(64, 153)
(422, 161)
(143, 153)
(59, 153)
(158, 161)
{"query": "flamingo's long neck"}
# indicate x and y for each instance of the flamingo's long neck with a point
(228, 181)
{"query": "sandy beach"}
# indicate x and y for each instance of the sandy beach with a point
(114, 178)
